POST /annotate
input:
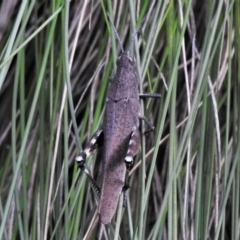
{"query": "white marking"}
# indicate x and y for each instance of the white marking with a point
(128, 159)
(79, 158)
(86, 170)
(87, 152)
(132, 142)
(93, 141)
(129, 58)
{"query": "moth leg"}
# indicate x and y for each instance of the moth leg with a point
(95, 142)
(133, 148)
(151, 127)
(93, 184)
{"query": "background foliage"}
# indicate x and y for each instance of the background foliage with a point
(55, 61)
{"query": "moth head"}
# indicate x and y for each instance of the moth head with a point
(126, 57)
(126, 61)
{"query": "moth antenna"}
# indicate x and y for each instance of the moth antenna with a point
(136, 32)
(116, 34)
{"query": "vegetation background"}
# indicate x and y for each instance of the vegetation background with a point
(55, 61)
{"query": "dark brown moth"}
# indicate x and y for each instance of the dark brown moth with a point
(119, 134)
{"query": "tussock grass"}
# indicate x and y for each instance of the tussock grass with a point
(55, 62)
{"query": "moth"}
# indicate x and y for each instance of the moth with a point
(119, 133)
